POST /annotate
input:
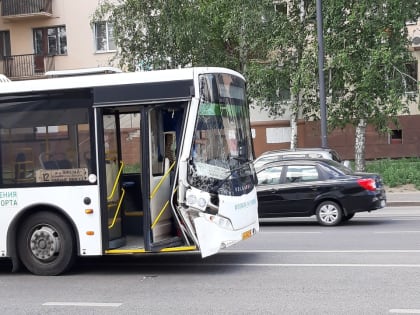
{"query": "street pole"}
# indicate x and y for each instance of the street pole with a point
(324, 141)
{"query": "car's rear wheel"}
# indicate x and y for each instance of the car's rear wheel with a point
(329, 213)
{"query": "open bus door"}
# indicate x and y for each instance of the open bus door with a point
(161, 159)
(113, 170)
(139, 179)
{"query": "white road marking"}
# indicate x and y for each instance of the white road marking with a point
(408, 251)
(406, 219)
(317, 265)
(405, 311)
(86, 304)
(290, 232)
(395, 232)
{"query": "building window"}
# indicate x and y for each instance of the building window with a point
(104, 37)
(395, 136)
(4, 44)
(50, 41)
(278, 135)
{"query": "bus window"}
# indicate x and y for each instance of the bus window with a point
(130, 142)
(35, 151)
(156, 142)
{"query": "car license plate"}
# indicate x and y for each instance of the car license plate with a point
(246, 234)
(383, 203)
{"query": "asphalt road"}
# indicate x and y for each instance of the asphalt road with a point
(371, 265)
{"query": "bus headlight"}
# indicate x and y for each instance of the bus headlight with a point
(197, 199)
(221, 221)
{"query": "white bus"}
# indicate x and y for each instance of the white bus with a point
(124, 163)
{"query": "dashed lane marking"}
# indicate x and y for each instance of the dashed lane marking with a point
(84, 304)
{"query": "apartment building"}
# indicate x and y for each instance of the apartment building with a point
(42, 35)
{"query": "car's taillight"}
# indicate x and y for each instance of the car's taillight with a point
(367, 183)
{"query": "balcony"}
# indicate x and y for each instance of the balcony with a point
(30, 66)
(26, 9)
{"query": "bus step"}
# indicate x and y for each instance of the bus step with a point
(169, 242)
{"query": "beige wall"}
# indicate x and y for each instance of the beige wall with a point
(76, 16)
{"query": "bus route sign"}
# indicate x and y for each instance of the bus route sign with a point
(62, 175)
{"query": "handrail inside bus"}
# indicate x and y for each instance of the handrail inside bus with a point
(155, 190)
(117, 211)
(114, 188)
(162, 210)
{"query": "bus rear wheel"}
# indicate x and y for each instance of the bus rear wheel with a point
(46, 244)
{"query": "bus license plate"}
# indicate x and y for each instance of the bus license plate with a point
(246, 234)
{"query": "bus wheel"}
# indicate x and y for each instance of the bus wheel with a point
(46, 244)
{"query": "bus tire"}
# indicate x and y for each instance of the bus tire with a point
(45, 244)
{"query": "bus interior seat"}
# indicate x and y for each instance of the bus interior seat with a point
(63, 164)
(50, 162)
(132, 204)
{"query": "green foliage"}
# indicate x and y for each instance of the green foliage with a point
(240, 35)
(366, 46)
(397, 172)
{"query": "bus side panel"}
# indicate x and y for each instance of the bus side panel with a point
(70, 199)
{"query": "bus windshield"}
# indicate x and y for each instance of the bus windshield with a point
(221, 154)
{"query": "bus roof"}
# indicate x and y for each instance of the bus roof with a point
(84, 71)
(96, 80)
(4, 79)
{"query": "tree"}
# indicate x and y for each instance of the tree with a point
(234, 34)
(365, 45)
(294, 57)
(366, 56)
(169, 34)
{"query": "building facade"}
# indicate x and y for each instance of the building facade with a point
(37, 36)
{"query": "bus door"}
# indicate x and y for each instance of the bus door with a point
(113, 169)
(161, 158)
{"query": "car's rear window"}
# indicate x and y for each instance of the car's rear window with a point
(335, 169)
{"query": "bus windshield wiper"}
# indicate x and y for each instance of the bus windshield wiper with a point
(222, 181)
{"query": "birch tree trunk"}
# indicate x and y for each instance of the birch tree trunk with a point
(293, 130)
(359, 146)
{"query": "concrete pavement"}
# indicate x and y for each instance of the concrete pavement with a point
(403, 199)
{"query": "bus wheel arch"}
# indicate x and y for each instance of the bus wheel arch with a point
(45, 241)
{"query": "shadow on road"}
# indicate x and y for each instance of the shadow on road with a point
(151, 265)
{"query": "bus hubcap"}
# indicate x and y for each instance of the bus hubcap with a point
(45, 243)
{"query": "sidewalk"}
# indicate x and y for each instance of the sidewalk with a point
(403, 199)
